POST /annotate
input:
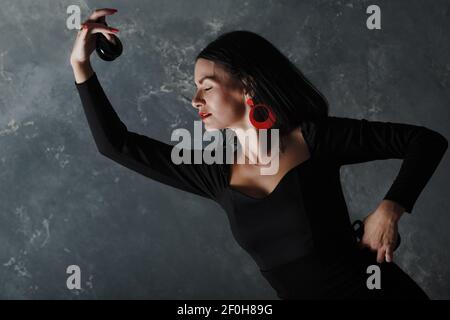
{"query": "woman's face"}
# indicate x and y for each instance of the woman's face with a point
(218, 95)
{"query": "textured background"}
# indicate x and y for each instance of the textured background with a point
(63, 203)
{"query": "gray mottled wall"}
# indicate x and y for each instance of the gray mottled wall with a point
(62, 203)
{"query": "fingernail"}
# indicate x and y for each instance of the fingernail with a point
(114, 29)
(114, 10)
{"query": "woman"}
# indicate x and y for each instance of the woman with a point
(294, 223)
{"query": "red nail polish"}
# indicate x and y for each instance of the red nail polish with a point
(114, 29)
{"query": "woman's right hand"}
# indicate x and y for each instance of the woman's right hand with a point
(85, 42)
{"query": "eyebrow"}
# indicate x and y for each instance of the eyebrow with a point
(213, 78)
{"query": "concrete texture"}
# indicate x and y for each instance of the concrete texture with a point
(62, 203)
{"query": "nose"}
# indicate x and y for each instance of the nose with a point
(196, 102)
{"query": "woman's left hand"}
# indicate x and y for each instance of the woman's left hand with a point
(381, 230)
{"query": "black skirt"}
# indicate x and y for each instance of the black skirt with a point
(312, 278)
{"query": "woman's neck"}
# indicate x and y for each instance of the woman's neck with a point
(259, 150)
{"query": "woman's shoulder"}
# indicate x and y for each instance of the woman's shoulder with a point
(326, 130)
(314, 127)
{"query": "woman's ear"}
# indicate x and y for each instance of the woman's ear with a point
(248, 94)
(247, 87)
(246, 97)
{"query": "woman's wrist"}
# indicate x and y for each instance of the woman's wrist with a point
(82, 70)
(392, 208)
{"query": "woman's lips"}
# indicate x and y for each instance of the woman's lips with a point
(204, 115)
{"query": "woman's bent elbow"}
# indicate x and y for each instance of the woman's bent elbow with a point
(438, 141)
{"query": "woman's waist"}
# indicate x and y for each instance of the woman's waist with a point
(317, 275)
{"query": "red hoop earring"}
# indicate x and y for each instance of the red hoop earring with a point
(266, 124)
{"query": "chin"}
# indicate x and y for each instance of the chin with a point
(213, 125)
(211, 128)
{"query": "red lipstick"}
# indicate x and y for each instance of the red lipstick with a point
(204, 115)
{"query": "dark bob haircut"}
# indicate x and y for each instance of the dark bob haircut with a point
(269, 77)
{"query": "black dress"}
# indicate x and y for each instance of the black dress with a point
(300, 235)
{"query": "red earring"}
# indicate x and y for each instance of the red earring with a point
(266, 124)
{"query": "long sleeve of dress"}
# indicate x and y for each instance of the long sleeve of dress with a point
(147, 156)
(348, 141)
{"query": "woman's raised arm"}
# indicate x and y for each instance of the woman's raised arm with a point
(142, 154)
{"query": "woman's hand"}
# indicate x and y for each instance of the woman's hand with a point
(85, 42)
(381, 231)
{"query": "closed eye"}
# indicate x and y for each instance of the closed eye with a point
(208, 88)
